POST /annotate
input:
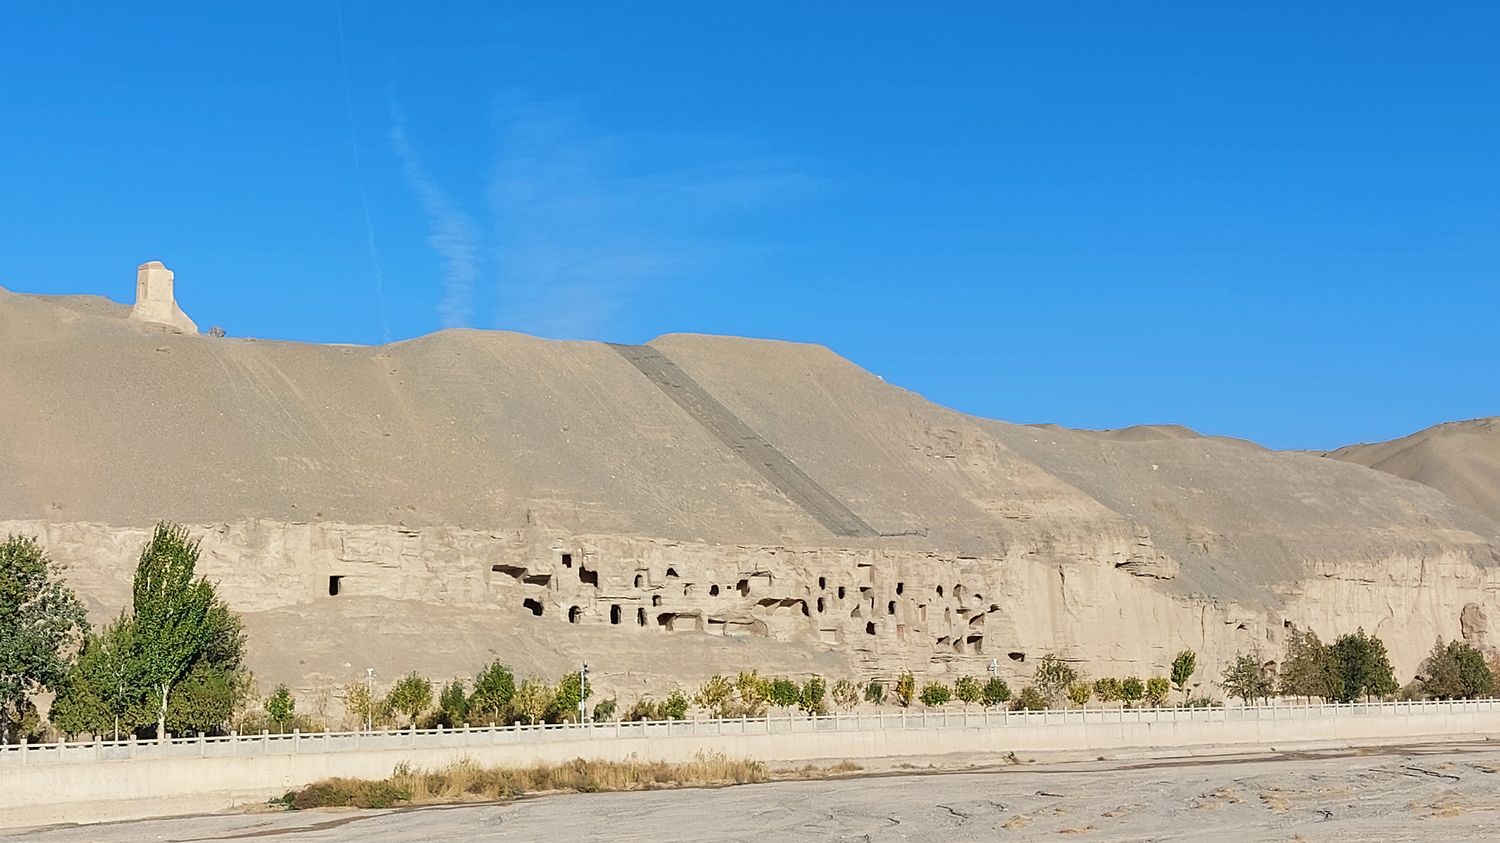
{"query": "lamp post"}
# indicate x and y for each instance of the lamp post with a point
(583, 678)
(369, 699)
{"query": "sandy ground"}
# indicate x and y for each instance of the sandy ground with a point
(1440, 792)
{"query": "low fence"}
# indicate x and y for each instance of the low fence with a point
(105, 780)
(293, 743)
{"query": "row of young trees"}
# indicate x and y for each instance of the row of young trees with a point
(172, 662)
(1356, 666)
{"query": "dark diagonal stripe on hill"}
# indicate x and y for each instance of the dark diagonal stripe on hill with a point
(751, 446)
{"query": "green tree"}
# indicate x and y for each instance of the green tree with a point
(1246, 679)
(675, 706)
(362, 705)
(752, 690)
(1183, 668)
(281, 707)
(845, 694)
(935, 694)
(1157, 689)
(1455, 671)
(1362, 667)
(1132, 690)
(875, 692)
(906, 689)
(716, 696)
(811, 700)
(494, 689)
(1030, 699)
(996, 692)
(453, 702)
(532, 700)
(1079, 693)
(605, 710)
(411, 695)
(1052, 678)
(102, 690)
(785, 693)
(1307, 667)
(569, 695)
(178, 617)
(967, 690)
(41, 623)
(1107, 689)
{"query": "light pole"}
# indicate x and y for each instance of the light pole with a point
(369, 699)
(583, 678)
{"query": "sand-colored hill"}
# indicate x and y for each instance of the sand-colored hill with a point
(1462, 459)
(701, 504)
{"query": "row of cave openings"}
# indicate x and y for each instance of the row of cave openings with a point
(971, 640)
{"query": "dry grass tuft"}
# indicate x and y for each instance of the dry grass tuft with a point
(466, 781)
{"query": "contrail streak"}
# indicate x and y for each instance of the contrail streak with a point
(450, 233)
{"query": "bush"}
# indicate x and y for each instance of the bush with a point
(1079, 693)
(1132, 690)
(453, 704)
(784, 693)
(716, 696)
(935, 694)
(1053, 676)
(967, 690)
(995, 692)
(675, 706)
(1157, 689)
(845, 694)
(1030, 699)
(906, 689)
(348, 793)
(411, 695)
(875, 693)
(811, 700)
(1107, 689)
(605, 710)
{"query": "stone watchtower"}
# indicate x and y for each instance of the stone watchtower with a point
(154, 300)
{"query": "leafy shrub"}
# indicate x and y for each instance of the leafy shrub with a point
(995, 692)
(1079, 693)
(935, 694)
(875, 692)
(845, 694)
(1030, 699)
(1157, 689)
(906, 689)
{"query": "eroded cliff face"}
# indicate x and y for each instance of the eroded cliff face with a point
(325, 600)
(697, 505)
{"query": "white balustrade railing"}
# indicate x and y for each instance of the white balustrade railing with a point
(326, 742)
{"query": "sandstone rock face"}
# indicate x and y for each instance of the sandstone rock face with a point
(703, 505)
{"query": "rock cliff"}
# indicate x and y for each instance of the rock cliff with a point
(697, 505)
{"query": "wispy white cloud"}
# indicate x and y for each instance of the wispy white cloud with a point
(582, 221)
(450, 231)
(586, 220)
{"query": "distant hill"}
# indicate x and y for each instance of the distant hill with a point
(1461, 458)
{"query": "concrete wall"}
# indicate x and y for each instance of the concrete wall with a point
(46, 790)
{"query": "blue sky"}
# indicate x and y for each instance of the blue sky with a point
(1277, 221)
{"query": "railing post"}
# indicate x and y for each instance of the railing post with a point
(23, 750)
(296, 740)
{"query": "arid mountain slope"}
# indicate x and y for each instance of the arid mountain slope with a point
(757, 503)
(1462, 459)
